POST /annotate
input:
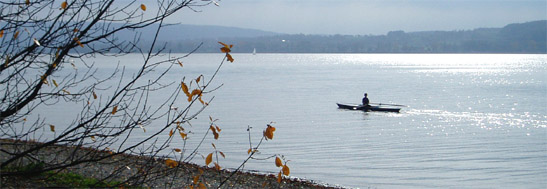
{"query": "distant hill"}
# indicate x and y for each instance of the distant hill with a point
(527, 37)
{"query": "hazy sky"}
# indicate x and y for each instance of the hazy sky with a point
(365, 16)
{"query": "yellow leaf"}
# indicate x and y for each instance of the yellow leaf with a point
(278, 162)
(143, 7)
(225, 48)
(94, 95)
(286, 170)
(229, 57)
(209, 159)
(249, 151)
(63, 5)
(177, 150)
(279, 177)
(55, 83)
(15, 35)
(52, 128)
(66, 91)
(171, 163)
(114, 110)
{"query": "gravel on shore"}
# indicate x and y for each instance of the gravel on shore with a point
(145, 171)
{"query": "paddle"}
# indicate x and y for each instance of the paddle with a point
(389, 104)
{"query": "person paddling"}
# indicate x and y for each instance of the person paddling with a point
(365, 100)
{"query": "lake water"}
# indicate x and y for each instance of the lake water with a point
(472, 121)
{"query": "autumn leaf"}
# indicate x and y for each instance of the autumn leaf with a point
(202, 186)
(171, 163)
(225, 48)
(75, 30)
(65, 91)
(63, 5)
(1, 33)
(93, 138)
(180, 63)
(15, 35)
(229, 57)
(183, 135)
(184, 88)
(249, 151)
(279, 177)
(171, 133)
(114, 110)
(177, 150)
(94, 95)
(143, 7)
(209, 159)
(269, 133)
(213, 144)
(278, 162)
(286, 170)
(52, 128)
(78, 41)
(195, 92)
(55, 83)
(218, 128)
(27, 2)
(222, 154)
(196, 179)
(217, 166)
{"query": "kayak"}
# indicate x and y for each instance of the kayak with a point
(367, 108)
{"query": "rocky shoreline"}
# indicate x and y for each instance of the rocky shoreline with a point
(156, 174)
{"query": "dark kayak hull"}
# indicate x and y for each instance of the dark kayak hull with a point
(367, 108)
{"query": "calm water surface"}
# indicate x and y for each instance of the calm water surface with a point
(472, 121)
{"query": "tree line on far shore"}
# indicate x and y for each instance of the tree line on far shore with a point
(527, 37)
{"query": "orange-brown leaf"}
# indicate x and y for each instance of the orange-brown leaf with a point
(143, 7)
(249, 151)
(180, 63)
(171, 133)
(269, 133)
(15, 35)
(63, 5)
(202, 186)
(177, 150)
(94, 95)
(1, 33)
(216, 135)
(209, 159)
(217, 166)
(278, 162)
(114, 110)
(52, 128)
(222, 154)
(229, 57)
(196, 92)
(78, 41)
(213, 144)
(286, 170)
(279, 177)
(218, 128)
(183, 135)
(196, 179)
(171, 163)
(185, 89)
